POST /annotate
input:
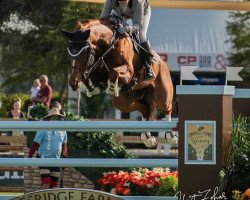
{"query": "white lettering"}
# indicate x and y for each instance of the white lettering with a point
(203, 194)
(6, 175)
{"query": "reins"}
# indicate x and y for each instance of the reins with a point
(101, 59)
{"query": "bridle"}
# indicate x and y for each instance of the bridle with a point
(75, 53)
(91, 62)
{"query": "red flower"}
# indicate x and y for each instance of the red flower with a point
(136, 182)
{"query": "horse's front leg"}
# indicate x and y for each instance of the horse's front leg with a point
(146, 137)
(118, 76)
(91, 88)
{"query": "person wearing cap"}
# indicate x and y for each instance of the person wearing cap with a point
(50, 144)
(58, 105)
(139, 12)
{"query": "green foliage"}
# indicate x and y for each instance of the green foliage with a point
(236, 176)
(97, 144)
(169, 186)
(7, 102)
(39, 111)
(239, 31)
(96, 106)
(40, 51)
(241, 146)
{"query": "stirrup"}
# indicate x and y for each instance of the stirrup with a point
(149, 76)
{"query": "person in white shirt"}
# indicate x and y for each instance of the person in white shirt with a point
(35, 89)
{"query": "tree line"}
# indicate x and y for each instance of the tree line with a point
(31, 42)
(40, 48)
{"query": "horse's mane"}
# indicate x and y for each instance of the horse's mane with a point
(88, 23)
(102, 29)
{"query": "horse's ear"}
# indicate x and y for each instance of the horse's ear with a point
(67, 34)
(86, 34)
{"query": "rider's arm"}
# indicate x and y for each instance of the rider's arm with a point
(138, 17)
(107, 8)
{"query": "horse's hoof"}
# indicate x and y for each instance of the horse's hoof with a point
(96, 91)
(116, 93)
(172, 139)
(89, 94)
(151, 142)
(148, 140)
(108, 91)
(143, 136)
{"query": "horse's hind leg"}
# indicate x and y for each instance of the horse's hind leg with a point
(125, 103)
(164, 102)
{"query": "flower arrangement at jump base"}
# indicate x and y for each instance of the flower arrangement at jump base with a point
(141, 182)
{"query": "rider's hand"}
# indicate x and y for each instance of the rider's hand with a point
(123, 30)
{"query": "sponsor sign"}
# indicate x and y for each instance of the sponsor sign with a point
(205, 62)
(67, 194)
(200, 142)
(11, 178)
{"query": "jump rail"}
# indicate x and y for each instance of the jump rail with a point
(89, 162)
(85, 126)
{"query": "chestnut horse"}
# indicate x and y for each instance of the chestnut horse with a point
(103, 61)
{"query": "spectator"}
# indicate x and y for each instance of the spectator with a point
(45, 93)
(50, 144)
(16, 113)
(34, 90)
(58, 105)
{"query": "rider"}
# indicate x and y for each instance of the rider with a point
(139, 12)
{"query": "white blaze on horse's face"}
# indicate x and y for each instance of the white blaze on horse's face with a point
(73, 63)
(75, 77)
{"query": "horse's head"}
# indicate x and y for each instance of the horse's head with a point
(81, 55)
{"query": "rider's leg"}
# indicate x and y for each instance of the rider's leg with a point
(148, 60)
(148, 57)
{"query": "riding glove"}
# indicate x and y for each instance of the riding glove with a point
(123, 30)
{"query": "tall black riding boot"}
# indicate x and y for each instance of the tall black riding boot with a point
(148, 58)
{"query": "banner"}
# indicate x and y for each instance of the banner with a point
(67, 194)
(205, 62)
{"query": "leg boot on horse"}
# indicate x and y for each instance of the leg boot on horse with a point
(148, 58)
